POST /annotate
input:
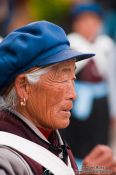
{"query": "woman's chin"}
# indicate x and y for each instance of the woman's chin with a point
(64, 124)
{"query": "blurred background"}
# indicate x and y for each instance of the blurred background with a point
(16, 13)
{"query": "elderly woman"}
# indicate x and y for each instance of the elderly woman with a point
(37, 91)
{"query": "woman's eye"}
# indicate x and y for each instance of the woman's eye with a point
(65, 81)
(62, 81)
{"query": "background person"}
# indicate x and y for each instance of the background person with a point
(90, 115)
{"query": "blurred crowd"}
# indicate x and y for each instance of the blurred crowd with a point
(13, 14)
(91, 28)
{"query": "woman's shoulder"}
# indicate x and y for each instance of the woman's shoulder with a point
(12, 163)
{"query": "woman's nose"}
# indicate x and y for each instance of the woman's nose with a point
(72, 92)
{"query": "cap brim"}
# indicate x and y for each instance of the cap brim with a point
(64, 55)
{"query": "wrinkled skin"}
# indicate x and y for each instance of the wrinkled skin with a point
(49, 101)
(48, 105)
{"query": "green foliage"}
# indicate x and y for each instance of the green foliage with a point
(52, 10)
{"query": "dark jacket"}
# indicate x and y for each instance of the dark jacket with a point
(12, 123)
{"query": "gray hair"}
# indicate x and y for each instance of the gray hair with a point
(11, 100)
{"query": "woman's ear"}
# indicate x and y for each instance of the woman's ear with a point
(22, 86)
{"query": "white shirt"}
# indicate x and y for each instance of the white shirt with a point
(105, 60)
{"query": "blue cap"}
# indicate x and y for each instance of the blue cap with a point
(38, 44)
(79, 9)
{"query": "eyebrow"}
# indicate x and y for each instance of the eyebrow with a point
(65, 69)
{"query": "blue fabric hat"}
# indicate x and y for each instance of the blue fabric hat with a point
(79, 9)
(36, 44)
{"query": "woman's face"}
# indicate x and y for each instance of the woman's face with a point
(51, 98)
(88, 25)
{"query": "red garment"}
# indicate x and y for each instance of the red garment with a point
(46, 133)
(90, 73)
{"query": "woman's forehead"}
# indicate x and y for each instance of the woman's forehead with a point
(66, 64)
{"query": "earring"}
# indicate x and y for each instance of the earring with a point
(23, 102)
